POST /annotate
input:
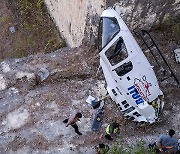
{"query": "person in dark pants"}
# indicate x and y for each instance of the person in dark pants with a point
(72, 121)
(111, 130)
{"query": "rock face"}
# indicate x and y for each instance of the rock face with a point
(31, 117)
(72, 16)
(144, 13)
(77, 19)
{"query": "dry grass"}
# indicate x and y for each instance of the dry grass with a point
(34, 30)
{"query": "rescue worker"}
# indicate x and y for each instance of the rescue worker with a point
(102, 149)
(112, 129)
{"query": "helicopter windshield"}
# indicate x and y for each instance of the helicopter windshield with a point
(108, 29)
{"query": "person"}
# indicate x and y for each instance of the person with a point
(111, 129)
(102, 149)
(72, 121)
(165, 142)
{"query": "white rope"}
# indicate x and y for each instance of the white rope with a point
(97, 70)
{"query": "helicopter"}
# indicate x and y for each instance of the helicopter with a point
(130, 79)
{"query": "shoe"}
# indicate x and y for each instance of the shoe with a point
(79, 133)
(65, 121)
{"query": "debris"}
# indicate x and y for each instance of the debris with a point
(90, 99)
(5, 67)
(3, 82)
(13, 90)
(12, 29)
(98, 119)
(102, 90)
(43, 74)
(95, 102)
(24, 75)
(177, 55)
(38, 104)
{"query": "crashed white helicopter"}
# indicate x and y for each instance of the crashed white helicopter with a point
(131, 81)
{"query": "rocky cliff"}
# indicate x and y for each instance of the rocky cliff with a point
(77, 19)
(39, 91)
(72, 16)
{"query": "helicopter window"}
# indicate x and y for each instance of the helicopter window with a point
(124, 68)
(117, 52)
(136, 114)
(126, 105)
(127, 117)
(129, 110)
(108, 29)
(128, 78)
(114, 92)
(124, 102)
(119, 106)
(131, 118)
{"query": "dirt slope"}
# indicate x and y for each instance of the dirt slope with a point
(32, 112)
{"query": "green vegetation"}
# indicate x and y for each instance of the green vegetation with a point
(3, 19)
(138, 149)
(171, 26)
(36, 31)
